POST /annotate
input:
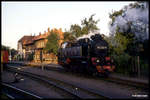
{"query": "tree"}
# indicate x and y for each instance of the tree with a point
(87, 26)
(52, 43)
(76, 30)
(115, 14)
(129, 33)
(118, 43)
(68, 37)
(131, 19)
(13, 53)
(5, 47)
(132, 22)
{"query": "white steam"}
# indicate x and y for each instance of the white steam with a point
(139, 19)
(88, 35)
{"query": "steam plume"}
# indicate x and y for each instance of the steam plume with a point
(135, 18)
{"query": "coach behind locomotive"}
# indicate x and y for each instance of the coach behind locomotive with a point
(86, 55)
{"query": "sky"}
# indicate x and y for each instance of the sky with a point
(26, 18)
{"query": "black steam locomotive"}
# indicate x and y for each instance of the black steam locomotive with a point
(86, 55)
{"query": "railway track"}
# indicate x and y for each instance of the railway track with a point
(112, 79)
(72, 90)
(16, 93)
(140, 85)
(130, 84)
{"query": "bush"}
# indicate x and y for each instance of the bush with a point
(122, 63)
(144, 67)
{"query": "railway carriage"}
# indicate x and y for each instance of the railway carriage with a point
(4, 56)
(4, 59)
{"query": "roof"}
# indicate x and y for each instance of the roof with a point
(26, 39)
(41, 36)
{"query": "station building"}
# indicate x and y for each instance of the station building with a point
(32, 46)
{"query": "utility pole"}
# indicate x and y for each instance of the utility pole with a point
(10, 55)
(138, 62)
(41, 58)
(140, 48)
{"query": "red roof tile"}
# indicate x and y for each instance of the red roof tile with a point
(42, 36)
(26, 39)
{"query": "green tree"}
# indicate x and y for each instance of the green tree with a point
(68, 37)
(13, 53)
(5, 47)
(76, 30)
(125, 44)
(87, 26)
(114, 14)
(52, 43)
(121, 43)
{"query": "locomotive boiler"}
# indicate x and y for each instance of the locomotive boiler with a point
(86, 55)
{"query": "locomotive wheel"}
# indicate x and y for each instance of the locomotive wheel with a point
(66, 67)
(106, 74)
(95, 74)
(89, 69)
(72, 68)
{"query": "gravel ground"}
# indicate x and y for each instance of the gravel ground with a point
(108, 88)
(31, 85)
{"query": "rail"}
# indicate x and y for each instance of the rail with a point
(16, 93)
(144, 85)
(76, 91)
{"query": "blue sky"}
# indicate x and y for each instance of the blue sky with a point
(26, 18)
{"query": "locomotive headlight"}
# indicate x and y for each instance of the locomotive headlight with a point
(101, 47)
(97, 60)
(98, 47)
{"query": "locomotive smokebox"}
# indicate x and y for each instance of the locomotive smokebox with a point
(96, 37)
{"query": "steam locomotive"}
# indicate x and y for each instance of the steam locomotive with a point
(86, 55)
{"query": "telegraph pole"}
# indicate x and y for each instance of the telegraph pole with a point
(10, 55)
(41, 58)
(138, 59)
(138, 62)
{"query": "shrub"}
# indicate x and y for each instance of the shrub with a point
(122, 62)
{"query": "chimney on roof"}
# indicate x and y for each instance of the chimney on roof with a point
(60, 29)
(55, 30)
(39, 33)
(48, 30)
(44, 32)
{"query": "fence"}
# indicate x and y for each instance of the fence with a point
(133, 66)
